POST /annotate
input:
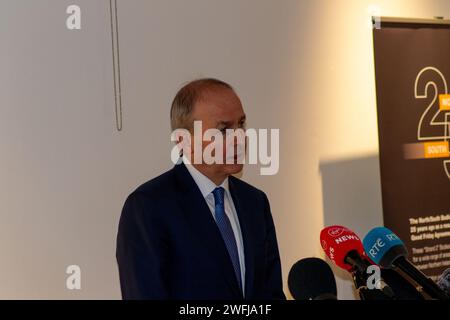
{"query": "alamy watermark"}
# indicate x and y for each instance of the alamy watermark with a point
(230, 146)
(73, 281)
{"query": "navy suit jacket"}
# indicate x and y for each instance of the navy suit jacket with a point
(169, 246)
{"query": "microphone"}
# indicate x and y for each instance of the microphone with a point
(346, 250)
(444, 281)
(312, 279)
(387, 250)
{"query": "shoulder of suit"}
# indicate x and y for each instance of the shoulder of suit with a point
(158, 185)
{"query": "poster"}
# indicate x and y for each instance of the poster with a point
(412, 69)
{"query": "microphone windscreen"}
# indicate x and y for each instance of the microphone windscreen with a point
(444, 281)
(312, 279)
(337, 242)
(383, 246)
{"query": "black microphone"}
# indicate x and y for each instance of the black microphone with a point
(312, 279)
(402, 288)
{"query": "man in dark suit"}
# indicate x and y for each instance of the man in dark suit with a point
(197, 232)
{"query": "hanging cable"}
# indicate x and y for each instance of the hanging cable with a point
(116, 63)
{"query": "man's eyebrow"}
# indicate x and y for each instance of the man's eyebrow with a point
(229, 123)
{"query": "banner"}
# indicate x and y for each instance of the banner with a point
(412, 68)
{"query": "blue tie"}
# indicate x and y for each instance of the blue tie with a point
(227, 232)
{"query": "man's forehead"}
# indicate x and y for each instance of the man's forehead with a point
(219, 102)
(219, 96)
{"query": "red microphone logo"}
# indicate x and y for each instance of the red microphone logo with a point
(336, 231)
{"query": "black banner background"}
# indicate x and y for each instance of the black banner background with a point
(411, 62)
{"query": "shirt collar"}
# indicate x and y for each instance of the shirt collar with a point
(205, 185)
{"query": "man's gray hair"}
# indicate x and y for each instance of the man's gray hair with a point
(187, 97)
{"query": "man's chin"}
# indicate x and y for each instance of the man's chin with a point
(233, 168)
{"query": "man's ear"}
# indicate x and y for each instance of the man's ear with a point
(183, 141)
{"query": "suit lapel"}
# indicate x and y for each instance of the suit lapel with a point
(200, 219)
(243, 209)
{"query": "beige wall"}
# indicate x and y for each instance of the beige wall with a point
(303, 66)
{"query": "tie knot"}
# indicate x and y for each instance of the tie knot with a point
(218, 195)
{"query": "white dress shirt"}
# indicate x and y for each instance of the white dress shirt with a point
(206, 187)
